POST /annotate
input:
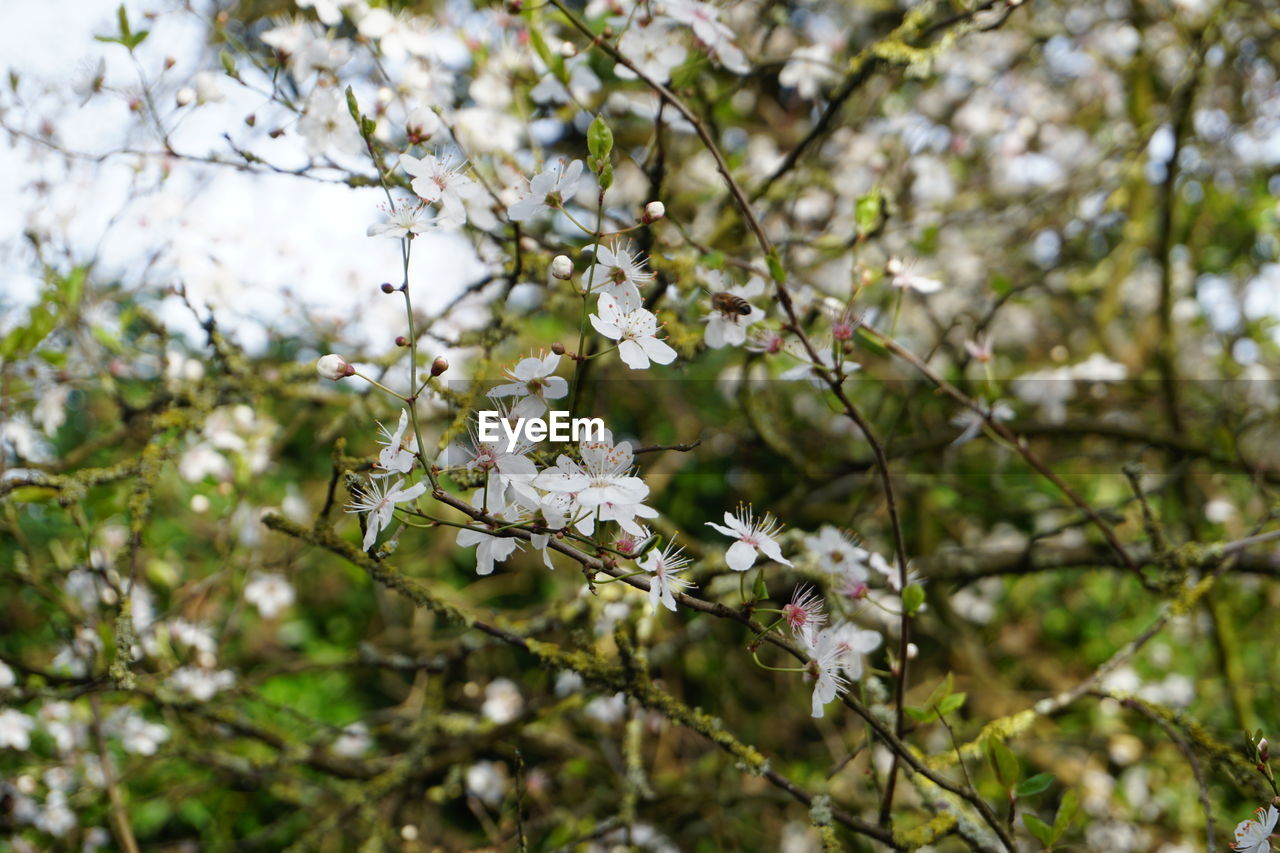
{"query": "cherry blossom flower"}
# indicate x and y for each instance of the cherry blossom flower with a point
(491, 549)
(15, 729)
(808, 70)
(604, 476)
(1253, 835)
(582, 84)
(548, 190)
(399, 454)
(620, 274)
(353, 742)
(506, 467)
(326, 123)
(535, 379)
(502, 701)
(838, 553)
(486, 781)
(200, 683)
(730, 328)
(825, 669)
(652, 49)
(635, 331)
(704, 19)
(752, 536)
(403, 220)
(980, 349)
(137, 735)
(804, 614)
(664, 565)
(901, 277)
(328, 11)
(440, 182)
(766, 341)
(270, 593)
(379, 501)
(851, 644)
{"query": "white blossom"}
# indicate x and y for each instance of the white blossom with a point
(620, 274)
(664, 566)
(825, 668)
(399, 452)
(534, 378)
(15, 729)
(653, 49)
(491, 549)
(440, 182)
(403, 220)
(635, 331)
(502, 701)
(379, 501)
(548, 190)
(1253, 835)
(270, 593)
(752, 535)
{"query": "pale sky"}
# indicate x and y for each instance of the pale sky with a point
(256, 247)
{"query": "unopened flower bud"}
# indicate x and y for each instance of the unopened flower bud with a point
(402, 341)
(568, 49)
(440, 365)
(653, 211)
(184, 96)
(1264, 750)
(893, 266)
(333, 366)
(562, 267)
(557, 348)
(388, 287)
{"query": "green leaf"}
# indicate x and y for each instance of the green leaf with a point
(599, 139)
(1041, 830)
(866, 212)
(942, 691)
(122, 17)
(952, 703)
(22, 340)
(71, 286)
(867, 341)
(761, 590)
(606, 176)
(552, 59)
(1035, 785)
(713, 260)
(776, 270)
(353, 107)
(920, 715)
(1066, 813)
(912, 599)
(1003, 762)
(229, 64)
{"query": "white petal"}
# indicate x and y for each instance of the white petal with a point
(740, 556)
(633, 355)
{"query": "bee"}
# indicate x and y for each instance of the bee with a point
(730, 305)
